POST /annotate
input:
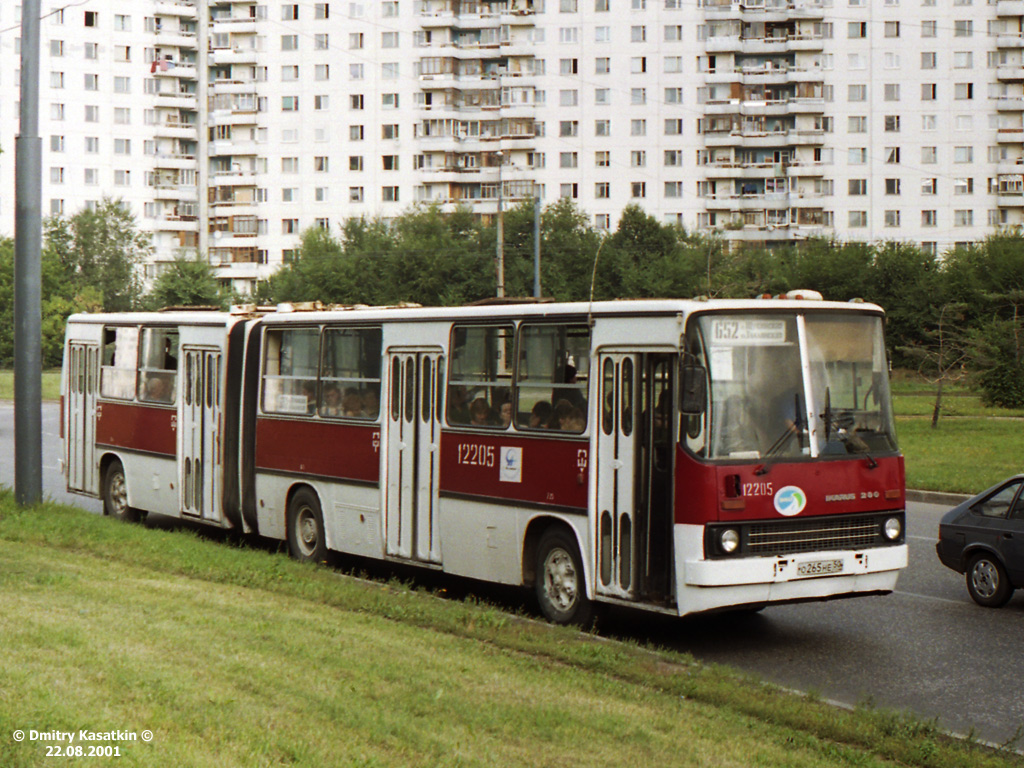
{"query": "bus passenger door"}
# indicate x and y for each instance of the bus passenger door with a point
(80, 430)
(617, 437)
(413, 456)
(199, 430)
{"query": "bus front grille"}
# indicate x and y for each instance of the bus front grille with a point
(812, 535)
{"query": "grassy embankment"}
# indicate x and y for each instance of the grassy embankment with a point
(973, 447)
(234, 656)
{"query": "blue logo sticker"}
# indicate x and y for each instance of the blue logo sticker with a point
(790, 500)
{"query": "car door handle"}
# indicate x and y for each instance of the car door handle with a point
(1007, 535)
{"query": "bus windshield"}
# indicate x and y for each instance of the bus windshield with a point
(790, 386)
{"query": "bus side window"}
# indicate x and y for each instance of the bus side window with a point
(480, 376)
(290, 371)
(350, 373)
(120, 354)
(158, 365)
(553, 377)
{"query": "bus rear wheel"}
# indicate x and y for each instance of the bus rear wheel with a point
(560, 586)
(306, 540)
(115, 494)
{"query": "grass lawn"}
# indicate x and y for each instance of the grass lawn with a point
(233, 656)
(50, 385)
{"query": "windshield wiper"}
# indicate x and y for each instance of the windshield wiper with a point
(793, 428)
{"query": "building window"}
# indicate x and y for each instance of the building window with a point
(857, 187)
(858, 219)
(355, 194)
(929, 218)
(289, 226)
(892, 218)
(601, 190)
(389, 194)
(638, 189)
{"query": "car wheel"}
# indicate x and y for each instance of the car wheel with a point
(115, 494)
(306, 540)
(560, 587)
(987, 581)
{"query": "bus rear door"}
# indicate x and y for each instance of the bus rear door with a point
(82, 386)
(413, 458)
(199, 429)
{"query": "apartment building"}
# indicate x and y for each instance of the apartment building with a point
(231, 126)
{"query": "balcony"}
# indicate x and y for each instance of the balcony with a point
(172, 222)
(179, 162)
(187, 101)
(174, 129)
(221, 56)
(1009, 7)
(175, 8)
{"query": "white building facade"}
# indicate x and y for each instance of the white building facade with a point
(232, 126)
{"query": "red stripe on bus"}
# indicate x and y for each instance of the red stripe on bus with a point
(318, 447)
(541, 470)
(136, 427)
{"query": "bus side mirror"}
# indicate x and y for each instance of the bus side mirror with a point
(693, 392)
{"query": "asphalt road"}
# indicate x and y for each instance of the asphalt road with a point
(925, 648)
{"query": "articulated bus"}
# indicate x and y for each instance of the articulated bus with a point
(680, 456)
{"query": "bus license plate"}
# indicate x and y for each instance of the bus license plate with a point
(819, 567)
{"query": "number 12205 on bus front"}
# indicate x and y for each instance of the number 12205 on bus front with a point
(677, 456)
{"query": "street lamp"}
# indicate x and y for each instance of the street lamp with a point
(500, 245)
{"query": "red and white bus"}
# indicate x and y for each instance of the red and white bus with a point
(679, 456)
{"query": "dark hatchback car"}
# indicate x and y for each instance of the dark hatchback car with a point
(984, 538)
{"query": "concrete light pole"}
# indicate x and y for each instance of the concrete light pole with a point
(28, 446)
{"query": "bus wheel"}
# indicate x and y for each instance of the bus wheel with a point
(560, 587)
(306, 539)
(987, 581)
(115, 494)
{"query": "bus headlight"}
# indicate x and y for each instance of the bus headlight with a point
(729, 540)
(892, 528)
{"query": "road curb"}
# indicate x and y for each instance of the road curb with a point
(936, 497)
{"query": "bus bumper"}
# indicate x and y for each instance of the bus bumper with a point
(704, 585)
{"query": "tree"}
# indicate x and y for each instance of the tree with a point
(189, 283)
(101, 247)
(943, 354)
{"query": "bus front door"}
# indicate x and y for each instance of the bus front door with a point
(80, 430)
(199, 430)
(634, 476)
(413, 457)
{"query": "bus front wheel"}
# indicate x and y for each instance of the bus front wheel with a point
(115, 494)
(306, 540)
(560, 587)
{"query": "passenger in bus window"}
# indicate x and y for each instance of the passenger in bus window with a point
(458, 411)
(331, 405)
(506, 413)
(566, 417)
(352, 404)
(158, 389)
(480, 413)
(370, 403)
(540, 415)
(309, 391)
